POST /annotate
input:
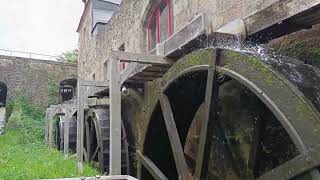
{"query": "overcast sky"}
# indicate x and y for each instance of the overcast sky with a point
(39, 26)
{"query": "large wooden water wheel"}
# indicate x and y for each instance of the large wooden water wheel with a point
(58, 132)
(219, 114)
(97, 140)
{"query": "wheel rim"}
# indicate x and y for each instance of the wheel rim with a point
(92, 143)
(58, 133)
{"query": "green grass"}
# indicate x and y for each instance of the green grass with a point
(23, 155)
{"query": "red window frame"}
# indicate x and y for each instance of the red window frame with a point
(156, 13)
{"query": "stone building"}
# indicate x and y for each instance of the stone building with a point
(137, 26)
(162, 34)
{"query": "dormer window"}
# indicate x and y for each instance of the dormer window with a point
(160, 24)
(102, 11)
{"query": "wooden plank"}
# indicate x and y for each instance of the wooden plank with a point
(207, 124)
(151, 167)
(175, 142)
(115, 118)
(141, 58)
(174, 46)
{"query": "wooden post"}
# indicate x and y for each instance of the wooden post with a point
(66, 119)
(115, 118)
(50, 129)
(80, 121)
(47, 126)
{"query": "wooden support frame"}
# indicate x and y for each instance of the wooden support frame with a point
(115, 118)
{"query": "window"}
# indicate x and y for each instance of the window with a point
(160, 24)
(123, 65)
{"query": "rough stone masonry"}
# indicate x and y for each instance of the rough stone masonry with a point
(32, 77)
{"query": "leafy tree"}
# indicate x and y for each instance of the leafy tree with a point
(69, 56)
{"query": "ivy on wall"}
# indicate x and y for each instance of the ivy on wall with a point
(53, 90)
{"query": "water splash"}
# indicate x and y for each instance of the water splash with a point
(304, 76)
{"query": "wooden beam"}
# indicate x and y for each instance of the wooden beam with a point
(175, 142)
(284, 9)
(80, 121)
(94, 83)
(115, 118)
(141, 58)
(151, 167)
(207, 124)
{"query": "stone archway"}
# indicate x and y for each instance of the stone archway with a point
(3, 94)
(67, 89)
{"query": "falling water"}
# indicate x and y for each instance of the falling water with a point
(304, 76)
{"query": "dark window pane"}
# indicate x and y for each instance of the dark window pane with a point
(152, 32)
(163, 21)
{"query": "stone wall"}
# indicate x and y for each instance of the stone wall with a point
(128, 27)
(32, 77)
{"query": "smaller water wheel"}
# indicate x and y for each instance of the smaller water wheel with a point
(97, 140)
(59, 133)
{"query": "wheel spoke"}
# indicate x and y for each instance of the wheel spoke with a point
(151, 167)
(175, 142)
(95, 153)
(211, 96)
